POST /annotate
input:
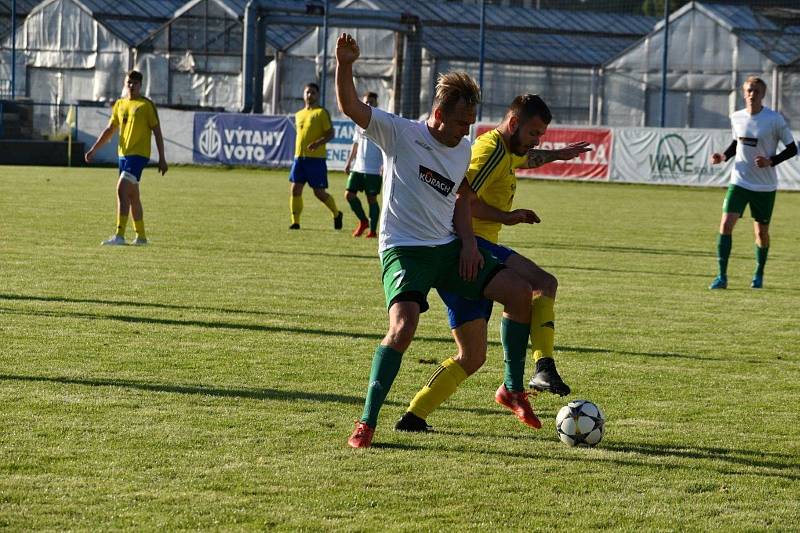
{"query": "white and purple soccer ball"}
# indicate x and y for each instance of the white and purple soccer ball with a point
(580, 423)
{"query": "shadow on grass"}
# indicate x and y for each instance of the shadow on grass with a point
(617, 249)
(128, 303)
(252, 394)
(774, 465)
(627, 271)
(377, 337)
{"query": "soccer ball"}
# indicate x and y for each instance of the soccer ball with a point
(580, 423)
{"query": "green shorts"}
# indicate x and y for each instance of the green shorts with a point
(369, 183)
(409, 273)
(761, 203)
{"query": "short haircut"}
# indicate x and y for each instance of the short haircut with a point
(135, 75)
(312, 85)
(454, 87)
(755, 80)
(527, 106)
(370, 94)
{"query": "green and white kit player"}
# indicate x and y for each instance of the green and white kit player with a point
(756, 132)
(426, 237)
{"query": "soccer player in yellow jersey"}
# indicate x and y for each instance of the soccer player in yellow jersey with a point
(137, 118)
(314, 129)
(495, 156)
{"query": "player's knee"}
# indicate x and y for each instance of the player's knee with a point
(348, 195)
(399, 337)
(471, 360)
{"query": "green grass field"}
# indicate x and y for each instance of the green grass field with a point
(210, 380)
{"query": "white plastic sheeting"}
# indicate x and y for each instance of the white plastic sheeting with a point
(65, 53)
(707, 64)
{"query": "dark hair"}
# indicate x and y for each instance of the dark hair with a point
(527, 106)
(370, 94)
(453, 87)
(313, 85)
(135, 75)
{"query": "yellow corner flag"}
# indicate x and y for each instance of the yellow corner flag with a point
(70, 126)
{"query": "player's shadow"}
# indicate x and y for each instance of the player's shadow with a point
(776, 465)
(212, 324)
(130, 303)
(572, 247)
(201, 390)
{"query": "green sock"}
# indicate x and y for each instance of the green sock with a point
(374, 216)
(724, 243)
(385, 365)
(515, 343)
(355, 205)
(761, 260)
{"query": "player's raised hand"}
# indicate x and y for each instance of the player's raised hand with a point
(573, 150)
(521, 216)
(717, 158)
(347, 50)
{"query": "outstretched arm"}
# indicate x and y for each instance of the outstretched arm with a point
(537, 158)
(162, 160)
(481, 209)
(347, 52)
(102, 139)
(350, 158)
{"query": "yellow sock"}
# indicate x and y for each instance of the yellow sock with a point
(295, 207)
(138, 225)
(330, 203)
(542, 327)
(443, 384)
(122, 222)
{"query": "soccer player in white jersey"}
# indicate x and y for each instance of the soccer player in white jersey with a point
(426, 238)
(756, 132)
(363, 166)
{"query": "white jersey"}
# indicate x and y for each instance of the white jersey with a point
(756, 135)
(420, 180)
(369, 157)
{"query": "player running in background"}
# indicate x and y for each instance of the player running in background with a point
(756, 132)
(137, 118)
(314, 130)
(426, 237)
(364, 175)
(495, 156)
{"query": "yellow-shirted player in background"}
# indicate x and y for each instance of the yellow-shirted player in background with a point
(137, 118)
(495, 156)
(314, 130)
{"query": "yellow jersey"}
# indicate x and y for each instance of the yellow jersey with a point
(311, 124)
(491, 175)
(135, 118)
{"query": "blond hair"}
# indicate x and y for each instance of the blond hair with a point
(453, 87)
(755, 80)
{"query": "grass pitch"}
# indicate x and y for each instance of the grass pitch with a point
(210, 380)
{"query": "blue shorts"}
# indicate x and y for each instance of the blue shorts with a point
(133, 165)
(461, 310)
(311, 170)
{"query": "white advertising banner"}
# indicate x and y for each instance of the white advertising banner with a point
(681, 157)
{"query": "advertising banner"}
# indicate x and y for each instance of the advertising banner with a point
(672, 156)
(681, 157)
(594, 165)
(241, 139)
(339, 147)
